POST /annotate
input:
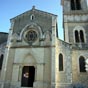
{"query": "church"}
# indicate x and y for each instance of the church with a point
(33, 56)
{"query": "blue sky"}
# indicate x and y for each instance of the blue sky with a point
(12, 8)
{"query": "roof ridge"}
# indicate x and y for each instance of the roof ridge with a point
(33, 9)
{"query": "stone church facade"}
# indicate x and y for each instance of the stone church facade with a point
(34, 57)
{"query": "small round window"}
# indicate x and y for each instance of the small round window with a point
(31, 36)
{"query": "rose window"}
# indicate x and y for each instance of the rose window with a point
(31, 36)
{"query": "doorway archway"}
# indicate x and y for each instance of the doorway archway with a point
(28, 76)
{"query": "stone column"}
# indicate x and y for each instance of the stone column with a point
(53, 53)
(39, 77)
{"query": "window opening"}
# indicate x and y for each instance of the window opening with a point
(81, 36)
(32, 17)
(78, 5)
(60, 62)
(82, 64)
(1, 61)
(72, 5)
(75, 5)
(76, 36)
(31, 35)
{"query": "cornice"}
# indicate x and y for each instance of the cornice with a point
(76, 12)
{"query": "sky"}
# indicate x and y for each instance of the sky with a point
(12, 8)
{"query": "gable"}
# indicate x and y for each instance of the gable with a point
(43, 19)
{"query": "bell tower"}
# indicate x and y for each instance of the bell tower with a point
(75, 25)
(75, 21)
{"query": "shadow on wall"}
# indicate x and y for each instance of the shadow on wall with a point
(1, 61)
(78, 85)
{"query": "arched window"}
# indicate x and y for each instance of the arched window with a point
(72, 5)
(75, 5)
(76, 36)
(81, 36)
(60, 62)
(1, 61)
(78, 5)
(82, 64)
(32, 17)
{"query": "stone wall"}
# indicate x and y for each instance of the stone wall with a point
(77, 76)
(64, 78)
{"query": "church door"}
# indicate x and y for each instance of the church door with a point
(28, 75)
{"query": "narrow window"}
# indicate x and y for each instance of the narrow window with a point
(76, 37)
(82, 64)
(81, 36)
(32, 17)
(60, 62)
(72, 5)
(78, 5)
(1, 61)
